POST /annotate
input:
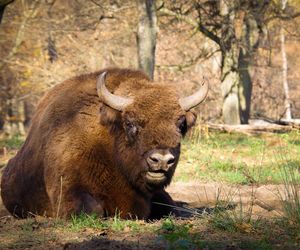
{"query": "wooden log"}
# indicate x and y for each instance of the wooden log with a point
(295, 123)
(251, 129)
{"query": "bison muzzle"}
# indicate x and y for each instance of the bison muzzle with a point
(101, 143)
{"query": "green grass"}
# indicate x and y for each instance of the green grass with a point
(236, 219)
(176, 235)
(237, 158)
(83, 220)
(12, 143)
(115, 224)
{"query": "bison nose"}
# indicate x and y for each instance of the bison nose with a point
(159, 161)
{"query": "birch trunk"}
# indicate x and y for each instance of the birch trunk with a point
(146, 36)
(287, 102)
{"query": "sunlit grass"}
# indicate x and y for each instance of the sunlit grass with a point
(236, 158)
(114, 224)
(84, 220)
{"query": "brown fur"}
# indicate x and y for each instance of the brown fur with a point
(81, 156)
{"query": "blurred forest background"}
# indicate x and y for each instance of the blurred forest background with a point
(248, 51)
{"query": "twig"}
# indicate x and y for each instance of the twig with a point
(190, 63)
(195, 24)
(182, 209)
(60, 197)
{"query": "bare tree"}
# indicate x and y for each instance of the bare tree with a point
(146, 36)
(236, 27)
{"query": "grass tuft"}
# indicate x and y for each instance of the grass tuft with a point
(176, 235)
(291, 193)
(84, 220)
(234, 217)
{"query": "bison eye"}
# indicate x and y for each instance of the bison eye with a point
(182, 125)
(131, 130)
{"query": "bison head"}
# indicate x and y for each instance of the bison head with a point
(148, 125)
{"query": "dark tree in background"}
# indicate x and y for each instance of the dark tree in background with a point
(146, 36)
(3, 4)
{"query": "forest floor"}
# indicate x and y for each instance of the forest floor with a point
(226, 204)
(223, 222)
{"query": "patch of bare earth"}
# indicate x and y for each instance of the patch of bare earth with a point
(265, 200)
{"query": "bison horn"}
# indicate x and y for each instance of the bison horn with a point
(195, 99)
(114, 101)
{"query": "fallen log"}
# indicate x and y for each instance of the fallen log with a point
(251, 129)
(295, 123)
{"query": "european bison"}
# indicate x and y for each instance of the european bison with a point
(104, 142)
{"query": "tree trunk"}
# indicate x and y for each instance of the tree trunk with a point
(230, 77)
(14, 121)
(236, 86)
(146, 36)
(245, 87)
(287, 102)
(241, 35)
(230, 81)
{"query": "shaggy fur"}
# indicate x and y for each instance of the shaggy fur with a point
(81, 155)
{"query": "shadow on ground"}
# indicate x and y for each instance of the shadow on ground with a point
(124, 244)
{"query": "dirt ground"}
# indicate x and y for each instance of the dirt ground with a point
(265, 200)
(44, 233)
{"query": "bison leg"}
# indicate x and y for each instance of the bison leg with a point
(77, 201)
(22, 191)
(162, 205)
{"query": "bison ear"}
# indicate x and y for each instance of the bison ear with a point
(191, 118)
(109, 116)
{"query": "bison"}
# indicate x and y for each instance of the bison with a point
(102, 143)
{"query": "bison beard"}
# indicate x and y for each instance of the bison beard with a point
(100, 143)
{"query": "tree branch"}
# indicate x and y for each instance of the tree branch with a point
(190, 63)
(283, 17)
(210, 35)
(5, 2)
(195, 24)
